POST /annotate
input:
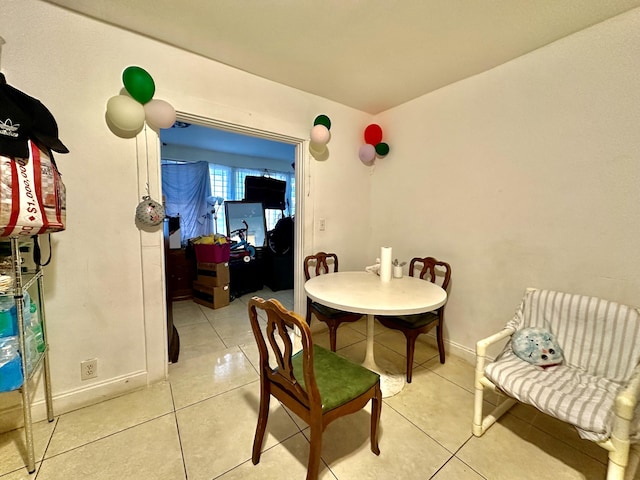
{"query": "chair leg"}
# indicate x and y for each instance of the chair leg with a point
(376, 409)
(440, 342)
(263, 416)
(411, 346)
(333, 335)
(315, 449)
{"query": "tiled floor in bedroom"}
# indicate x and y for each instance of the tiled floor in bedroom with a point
(200, 424)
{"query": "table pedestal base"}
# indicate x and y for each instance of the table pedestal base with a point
(390, 383)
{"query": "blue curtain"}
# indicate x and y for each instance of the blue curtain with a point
(186, 187)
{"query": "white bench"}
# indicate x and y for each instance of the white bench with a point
(595, 389)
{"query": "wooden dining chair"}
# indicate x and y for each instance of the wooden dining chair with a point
(316, 384)
(319, 264)
(435, 271)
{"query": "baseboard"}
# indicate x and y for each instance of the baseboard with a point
(466, 353)
(11, 414)
(461, 351)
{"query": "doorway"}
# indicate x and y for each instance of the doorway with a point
(244, 148)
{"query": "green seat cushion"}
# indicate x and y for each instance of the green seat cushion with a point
(328, 311)
(339, 380)
(414, 321)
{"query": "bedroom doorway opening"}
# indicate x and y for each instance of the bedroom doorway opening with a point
(232, 153)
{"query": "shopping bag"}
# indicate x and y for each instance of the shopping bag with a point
(32, 195)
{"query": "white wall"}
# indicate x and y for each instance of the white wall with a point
(525, 175)
(102, 263)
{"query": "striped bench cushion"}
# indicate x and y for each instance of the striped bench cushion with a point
(568, 394)
(601, 345)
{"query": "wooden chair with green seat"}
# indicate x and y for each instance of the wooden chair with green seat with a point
(316, 384)
(319, 264)
(434, 271)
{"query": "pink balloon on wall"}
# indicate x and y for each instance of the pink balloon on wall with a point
(159, 114)
(320, 135)
(367, 154)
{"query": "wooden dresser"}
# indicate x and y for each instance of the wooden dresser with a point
(181, 272)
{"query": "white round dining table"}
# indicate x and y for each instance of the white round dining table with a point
(366, 293)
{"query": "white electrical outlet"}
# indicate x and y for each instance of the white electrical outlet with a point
(89, 369)
(322, 224)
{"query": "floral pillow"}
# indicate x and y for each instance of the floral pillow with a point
(537, 346)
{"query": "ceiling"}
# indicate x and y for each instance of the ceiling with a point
(371, 55)
(207, 138)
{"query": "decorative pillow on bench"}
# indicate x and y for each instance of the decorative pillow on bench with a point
(537, 346)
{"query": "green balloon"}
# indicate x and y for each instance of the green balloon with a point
(139, 84)
(322, 120)
(382, 149)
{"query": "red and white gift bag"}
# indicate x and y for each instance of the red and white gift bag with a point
(32, 195)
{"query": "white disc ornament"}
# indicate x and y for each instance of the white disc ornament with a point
(149, 212)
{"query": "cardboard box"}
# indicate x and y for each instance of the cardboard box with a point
(213, 274)
(213, 253)
(212, 297)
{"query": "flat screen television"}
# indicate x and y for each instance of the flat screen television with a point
(251, 212)
(270, 191)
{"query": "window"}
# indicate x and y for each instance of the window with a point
(228, 183)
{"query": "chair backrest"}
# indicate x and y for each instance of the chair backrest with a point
(280, 328)
(436, 271)
(596, 335)
(320, 263)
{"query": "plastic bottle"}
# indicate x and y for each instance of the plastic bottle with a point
(33, 336)
(36, 326)
(8, 319)
(31, 346)
(26, 309)
(11, 376)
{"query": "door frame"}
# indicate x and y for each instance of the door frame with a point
(152, 243)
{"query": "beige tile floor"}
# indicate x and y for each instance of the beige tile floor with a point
(200, 424)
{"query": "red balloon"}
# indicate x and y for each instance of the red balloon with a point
(373, 134)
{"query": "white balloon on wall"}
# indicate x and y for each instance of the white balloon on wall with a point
(159, 113)
(125, 113)
(317, 149)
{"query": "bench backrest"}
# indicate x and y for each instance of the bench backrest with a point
(596, 335)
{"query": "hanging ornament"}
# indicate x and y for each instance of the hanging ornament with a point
(149, 212)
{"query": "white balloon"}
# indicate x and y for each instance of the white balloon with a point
(317, 149)
(125, 113)
(367, 154)
(320, 135)
(159, 114)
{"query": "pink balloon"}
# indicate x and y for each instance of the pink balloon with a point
(320, 135)
(367, 154)
(159, 114)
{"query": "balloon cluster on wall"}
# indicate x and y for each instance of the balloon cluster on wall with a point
(373, 146)
(127, 112)
(320, 136)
